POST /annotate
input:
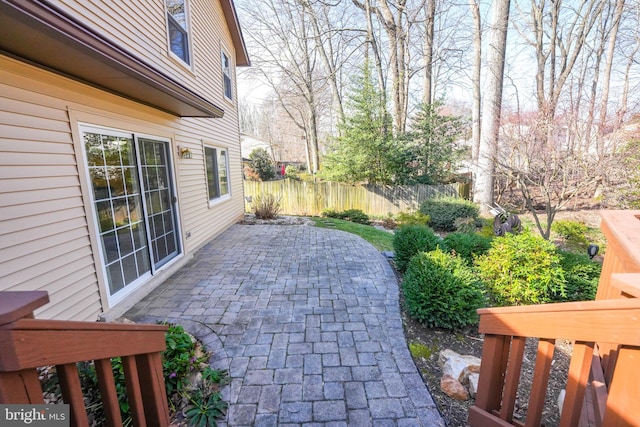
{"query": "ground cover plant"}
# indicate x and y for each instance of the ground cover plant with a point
(353, 215)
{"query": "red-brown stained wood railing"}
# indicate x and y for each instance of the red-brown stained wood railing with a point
(27, 343)
(605, 333)
(586, 323)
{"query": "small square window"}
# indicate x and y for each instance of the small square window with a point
(177, 28)
(217, 172)
(226, 76)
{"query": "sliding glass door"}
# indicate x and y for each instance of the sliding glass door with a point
(133, 204)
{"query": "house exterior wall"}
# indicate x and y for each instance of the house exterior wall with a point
(48, 235)
(140, 28)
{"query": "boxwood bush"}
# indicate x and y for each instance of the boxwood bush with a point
(441, 290)
(410, 240)
(522, 269)
(466, 245)
(581, 275)
(444, 211)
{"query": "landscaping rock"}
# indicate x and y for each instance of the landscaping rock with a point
(452, 388)
(473, 384)
(457, 365)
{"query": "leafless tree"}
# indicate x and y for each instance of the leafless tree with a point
(492, 108)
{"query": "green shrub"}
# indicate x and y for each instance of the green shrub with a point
(353, 215)
(260, 162)
(466, 245)
(414, 218)
(265, 206)
(291, 172)
(522, 269)
(441, 291)
(444, 211)
(410, 240)
(581, 275)
(572, 231)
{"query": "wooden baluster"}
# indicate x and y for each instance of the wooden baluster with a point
(20, 387)
(512, 378)
(495, 353)
(107, 385)
(72, 393)
(152, 381)
(576, 383)
(622, 403)
(134, 395)
(540, 381)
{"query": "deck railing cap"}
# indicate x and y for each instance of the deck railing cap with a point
(15, 305)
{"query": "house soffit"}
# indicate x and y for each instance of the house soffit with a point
(38, 33)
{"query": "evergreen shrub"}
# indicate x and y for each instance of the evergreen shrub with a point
(444, 211)
(581, 274)
(522, 269)
(467, 245)
(441, 291)
(410, 240)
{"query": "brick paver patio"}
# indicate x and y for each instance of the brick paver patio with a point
(306, 320)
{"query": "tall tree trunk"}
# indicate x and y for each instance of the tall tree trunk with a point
(475, 81)
(429, 26)
(483, 184)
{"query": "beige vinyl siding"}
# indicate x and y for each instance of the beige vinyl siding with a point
(43, 231)
(45, 235)
(140, 28)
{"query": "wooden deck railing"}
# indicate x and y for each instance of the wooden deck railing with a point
(27, 343)
(603, 386)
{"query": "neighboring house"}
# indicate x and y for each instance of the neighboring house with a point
(119, 145)
(249, 143)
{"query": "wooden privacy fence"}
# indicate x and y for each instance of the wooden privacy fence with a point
(603, 386)
(27, 344)
(309, 198)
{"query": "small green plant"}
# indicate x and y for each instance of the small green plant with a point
(353, 215)
(205, 402)
(410, 240)
(466, 245)
(574, 232)
(265, 206)
(522, 269)
(418, 349)
(412, 218)
(441, 291)
(581, 275)
(179, 359)
(444, 211)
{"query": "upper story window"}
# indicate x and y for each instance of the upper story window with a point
(177, 27)
(217, 172)
(226, 76)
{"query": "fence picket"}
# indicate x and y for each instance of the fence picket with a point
(308, 198)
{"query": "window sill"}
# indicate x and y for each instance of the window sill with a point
(219, 200)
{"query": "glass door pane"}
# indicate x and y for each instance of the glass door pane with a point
(118, 206)
(160, 207)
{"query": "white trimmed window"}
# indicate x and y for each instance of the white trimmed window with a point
(226, 76)
(217, 163)
(177, 29)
